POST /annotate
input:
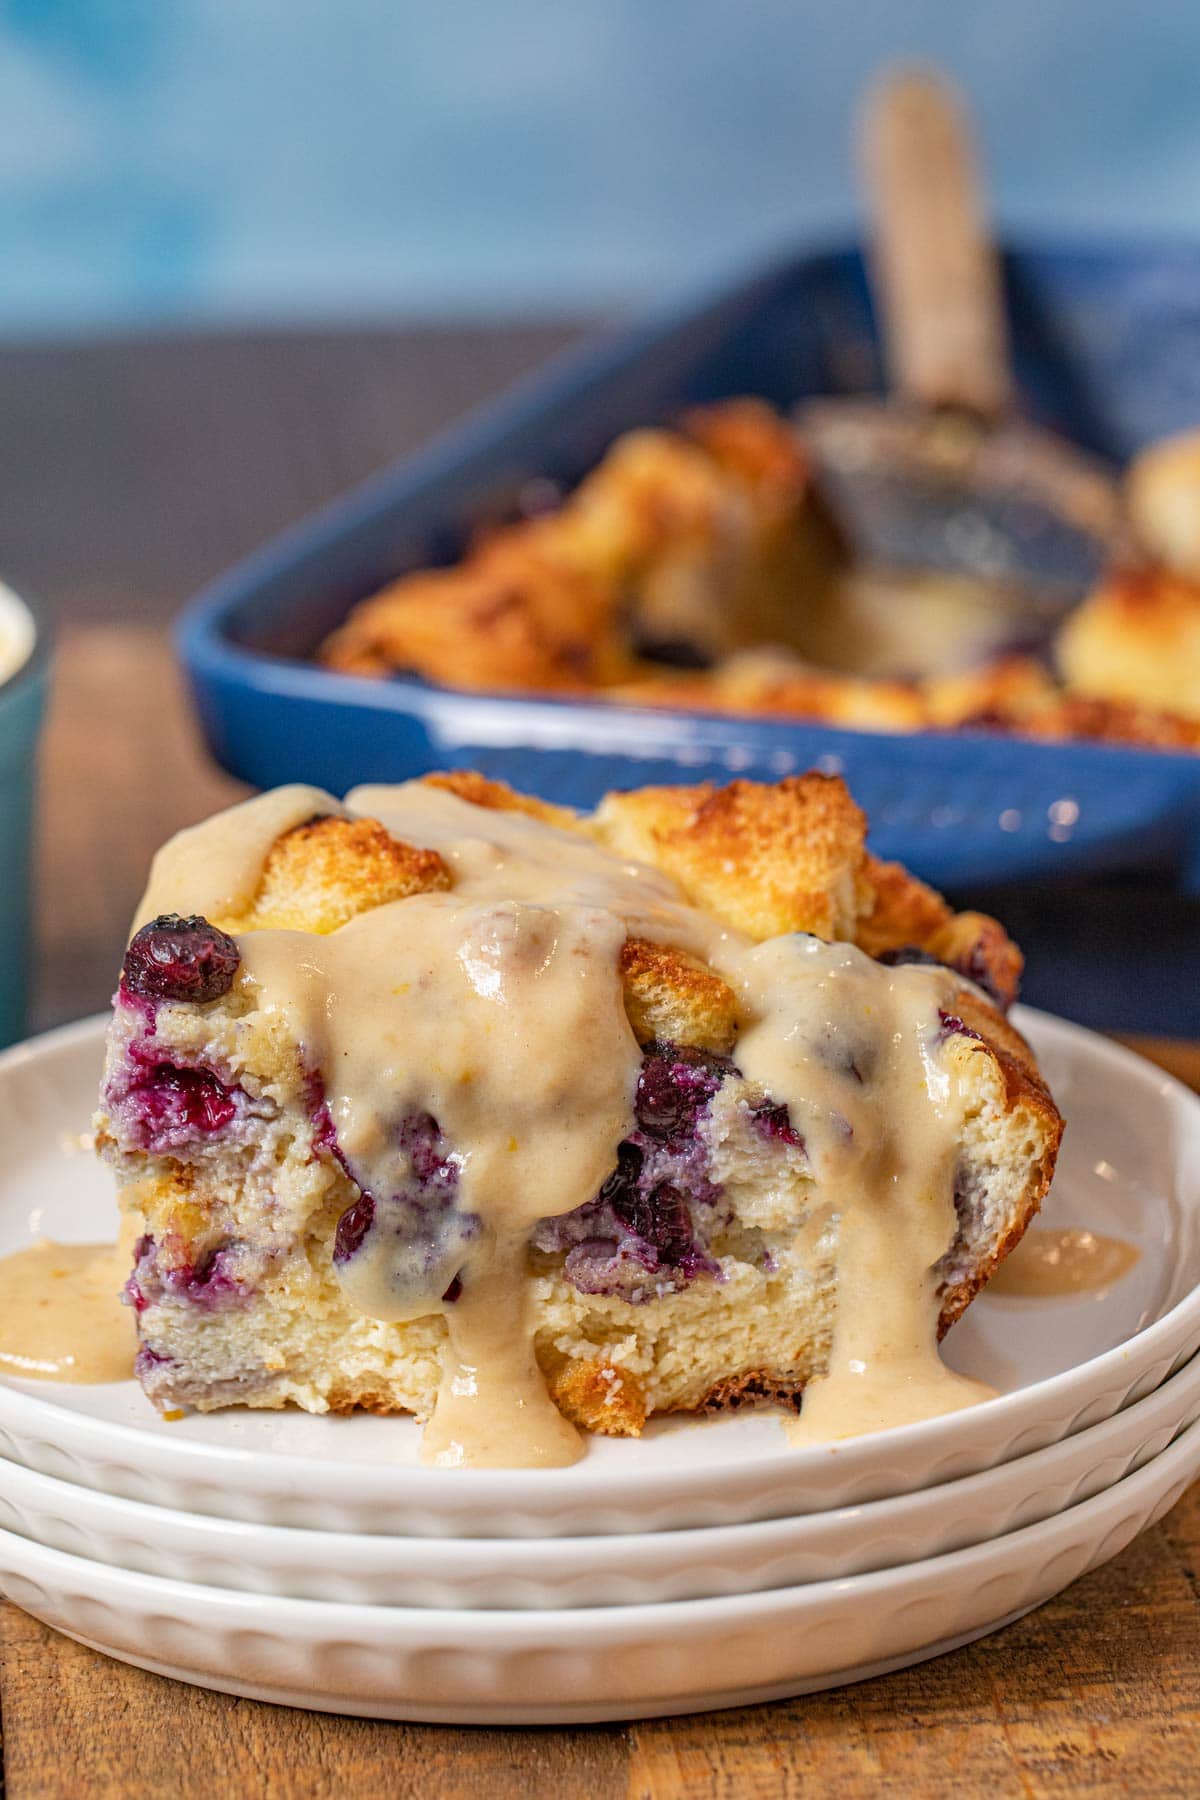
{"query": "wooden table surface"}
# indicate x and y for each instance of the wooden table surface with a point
(1098, 1693)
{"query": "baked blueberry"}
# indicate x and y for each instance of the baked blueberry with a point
(181, 959)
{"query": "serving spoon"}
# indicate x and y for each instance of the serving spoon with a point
(966, 527)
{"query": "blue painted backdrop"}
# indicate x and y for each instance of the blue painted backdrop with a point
(167, 159)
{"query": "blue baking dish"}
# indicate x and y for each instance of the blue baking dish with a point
(1107, 349)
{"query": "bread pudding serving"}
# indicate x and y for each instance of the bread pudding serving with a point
(447, 1101)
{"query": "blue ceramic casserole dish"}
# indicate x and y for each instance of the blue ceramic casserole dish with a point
(1107, 346)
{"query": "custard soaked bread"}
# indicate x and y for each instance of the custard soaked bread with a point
(447, 1101)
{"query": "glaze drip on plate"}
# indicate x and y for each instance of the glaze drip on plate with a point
(1046, 1264)
(59, 1314)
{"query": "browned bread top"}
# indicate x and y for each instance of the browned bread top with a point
(763, 858)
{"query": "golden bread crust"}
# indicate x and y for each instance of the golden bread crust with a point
(766, 684)
(1007, 691)
(676, 518)
(1018, 696)
(1123, 722)
(980, 947)
(901, 910)
(1162, 492)
(346, 1400)
(596, 1395)
(1136, 642)
(750, 440)
(513, 616)
(672, 996)
(1026, 1092)
(497, 796)
(321, 874)
(652, 492)
(764, 858)
(905, 913)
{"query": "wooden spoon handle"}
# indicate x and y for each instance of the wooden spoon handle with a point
(936, 274)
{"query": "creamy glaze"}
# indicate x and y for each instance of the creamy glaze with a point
(61, 1317)
(214, 868)
(504, 1022)
(497, 1010)
(1047, 1264)
(883, 1145)
(511, 856)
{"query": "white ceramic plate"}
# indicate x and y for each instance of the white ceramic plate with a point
(1130, 1165)
(643, 1569)
(617, 1662)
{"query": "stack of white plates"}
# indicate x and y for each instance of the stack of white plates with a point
(315, 1562)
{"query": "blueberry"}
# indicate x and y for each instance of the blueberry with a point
(712, 1068)
(625, 1176)
(353, 1227)
(675, 1084)
(904, 954)
(132, 1295)
(181, 959)
(973, 965)
(661, 1217)
(183, 1100)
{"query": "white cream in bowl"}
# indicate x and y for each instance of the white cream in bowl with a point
(17, 634)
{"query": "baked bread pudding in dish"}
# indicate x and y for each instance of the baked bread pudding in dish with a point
(1015, 695)
(706, 546)
(1136, 639)
(679, 545)
(444, 1100)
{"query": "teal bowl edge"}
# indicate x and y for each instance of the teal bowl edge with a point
(22, 712)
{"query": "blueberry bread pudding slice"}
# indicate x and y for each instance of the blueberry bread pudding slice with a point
(444, 1100)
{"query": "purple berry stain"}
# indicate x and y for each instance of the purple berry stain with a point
(660, 1217)
(162, 1106)
(418, 1234)
(173, 958)
(648, 1229)
(775, 1122)
(675, 1085)
(953, 1026)
(176, 1100)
